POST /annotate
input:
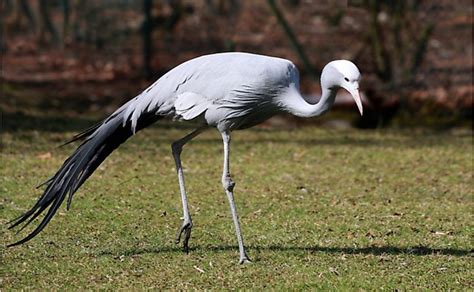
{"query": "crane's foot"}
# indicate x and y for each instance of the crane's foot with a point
(184, 230)
(245, 260)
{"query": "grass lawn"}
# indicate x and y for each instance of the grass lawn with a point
(319, 209)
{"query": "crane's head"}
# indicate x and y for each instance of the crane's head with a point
(342, 74)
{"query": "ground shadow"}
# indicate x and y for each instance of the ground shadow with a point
(419, 250)
(19, 121)
(405, 141)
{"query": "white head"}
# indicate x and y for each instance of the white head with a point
(342, 74)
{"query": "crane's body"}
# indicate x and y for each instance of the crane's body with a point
(240, 96)
(228, 91)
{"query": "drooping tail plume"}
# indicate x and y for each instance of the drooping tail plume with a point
(98, 142)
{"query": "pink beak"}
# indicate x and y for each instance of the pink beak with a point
(356, 97)
(358, 101)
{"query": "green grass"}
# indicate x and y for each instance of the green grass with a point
(318, 208)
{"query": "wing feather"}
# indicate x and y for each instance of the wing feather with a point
(190, 105)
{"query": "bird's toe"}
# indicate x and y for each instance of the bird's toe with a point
(244, 261)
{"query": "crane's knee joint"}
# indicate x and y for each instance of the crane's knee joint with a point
(176, 148)
(226, 138)
(228, 183)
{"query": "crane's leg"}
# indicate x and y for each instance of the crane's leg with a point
(177, 147)
(228, 185)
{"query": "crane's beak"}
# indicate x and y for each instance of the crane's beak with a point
(356, 96)
(354, 91)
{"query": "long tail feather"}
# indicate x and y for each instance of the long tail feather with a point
(99, 141)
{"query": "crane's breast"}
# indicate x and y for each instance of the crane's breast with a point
(244, 107)
(231, 94)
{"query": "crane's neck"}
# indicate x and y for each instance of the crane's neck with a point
(295, 104)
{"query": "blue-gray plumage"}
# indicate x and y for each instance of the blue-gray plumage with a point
(229, 91)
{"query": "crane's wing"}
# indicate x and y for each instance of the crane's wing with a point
(190, 105)
(219, 87)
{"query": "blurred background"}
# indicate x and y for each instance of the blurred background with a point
(67, 63)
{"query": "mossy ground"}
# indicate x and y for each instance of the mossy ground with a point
(319, 209)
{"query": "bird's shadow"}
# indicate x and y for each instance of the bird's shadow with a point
(419, 250)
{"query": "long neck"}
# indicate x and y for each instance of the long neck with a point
(295, 104)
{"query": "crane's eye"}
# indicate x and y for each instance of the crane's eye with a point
(347, 79)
